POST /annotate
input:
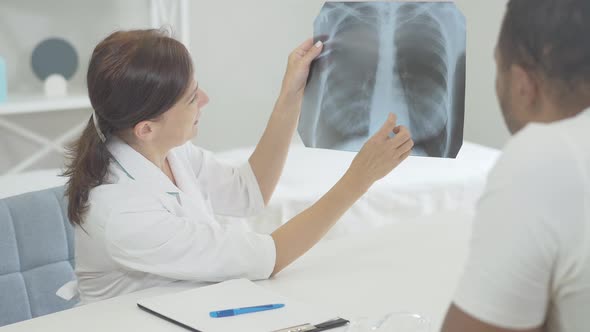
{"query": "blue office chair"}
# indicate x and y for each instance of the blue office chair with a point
(36, 254)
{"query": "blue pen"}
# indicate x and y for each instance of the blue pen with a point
(245, 310)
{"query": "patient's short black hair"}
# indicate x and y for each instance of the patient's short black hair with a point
(550, 38)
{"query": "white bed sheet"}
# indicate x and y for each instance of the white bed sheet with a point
(418, 187)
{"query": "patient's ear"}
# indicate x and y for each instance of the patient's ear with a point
(525, 87)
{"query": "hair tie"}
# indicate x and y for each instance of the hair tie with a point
(97, 127)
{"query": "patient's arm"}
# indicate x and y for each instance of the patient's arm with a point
(459, 321)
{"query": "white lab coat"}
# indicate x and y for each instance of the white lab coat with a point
(143, 231)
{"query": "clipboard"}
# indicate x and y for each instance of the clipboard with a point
(190, 310)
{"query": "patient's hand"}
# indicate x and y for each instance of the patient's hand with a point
(381, 153)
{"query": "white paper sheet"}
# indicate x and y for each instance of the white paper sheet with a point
(192, 308)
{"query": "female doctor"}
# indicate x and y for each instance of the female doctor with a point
(146, 199)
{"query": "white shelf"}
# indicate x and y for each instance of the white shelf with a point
(163, 12)
(40, 103)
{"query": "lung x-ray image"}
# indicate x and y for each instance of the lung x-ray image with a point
(407, 58)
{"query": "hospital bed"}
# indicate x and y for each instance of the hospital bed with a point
(420, 186)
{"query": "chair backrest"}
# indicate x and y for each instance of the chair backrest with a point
(36, 254)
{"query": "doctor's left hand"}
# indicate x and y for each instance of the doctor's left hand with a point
(298, 66)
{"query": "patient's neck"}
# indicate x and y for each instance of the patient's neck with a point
(552, 111)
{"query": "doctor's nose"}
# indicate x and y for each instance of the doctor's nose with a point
(203, 98)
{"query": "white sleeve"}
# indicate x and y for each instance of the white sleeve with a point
(233, 191)
(515, 244)
(147, 237)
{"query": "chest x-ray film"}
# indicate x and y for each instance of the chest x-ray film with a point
(407, 58)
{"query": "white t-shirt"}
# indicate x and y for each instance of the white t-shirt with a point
(529, 263)
(142, 231)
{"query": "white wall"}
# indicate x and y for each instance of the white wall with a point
(241, 57)
(483, 119)
(240, 51)
(23, 24)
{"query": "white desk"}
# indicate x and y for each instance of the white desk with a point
(412, 266)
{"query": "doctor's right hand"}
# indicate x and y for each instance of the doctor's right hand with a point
(381, 153)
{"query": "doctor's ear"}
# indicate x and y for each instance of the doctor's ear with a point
(143, 131)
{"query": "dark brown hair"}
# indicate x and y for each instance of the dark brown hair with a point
(549, 38)
(133, 76)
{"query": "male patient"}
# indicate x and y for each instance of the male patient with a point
(529, 264)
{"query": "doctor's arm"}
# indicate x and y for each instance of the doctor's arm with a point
(268, 159)
(144, 233)
(379, 156)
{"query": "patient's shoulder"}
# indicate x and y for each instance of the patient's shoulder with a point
(537, 166)
(538, 151)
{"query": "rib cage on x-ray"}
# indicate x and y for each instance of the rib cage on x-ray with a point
(379, 57)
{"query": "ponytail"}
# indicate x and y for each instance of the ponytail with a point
(87, 165)
(133, 76)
